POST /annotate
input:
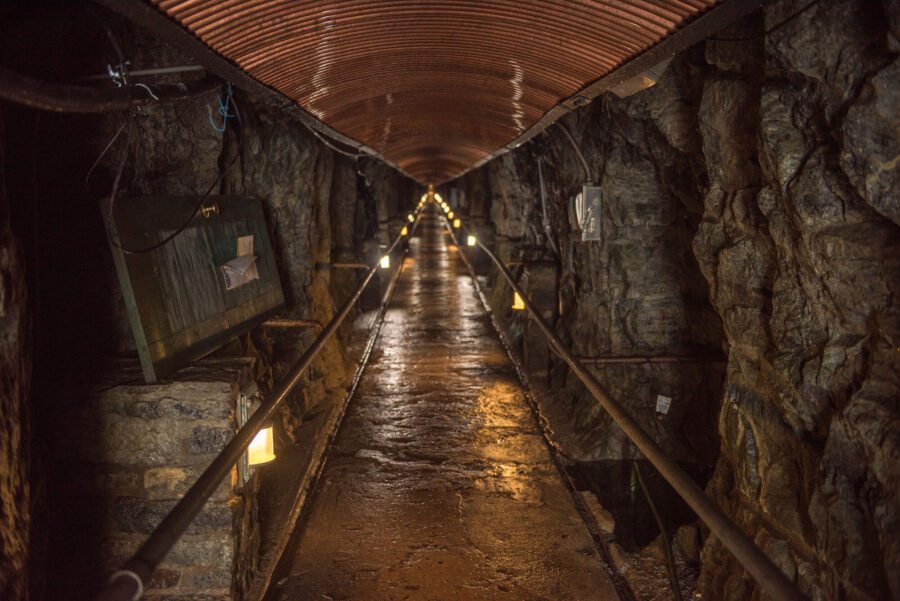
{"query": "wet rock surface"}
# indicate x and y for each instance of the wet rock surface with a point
(440, 485)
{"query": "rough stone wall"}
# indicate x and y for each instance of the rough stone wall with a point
(751, 205)
(15, 367)
(637, 292)
(799, 242)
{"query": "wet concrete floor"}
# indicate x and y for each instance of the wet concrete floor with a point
(439, 485)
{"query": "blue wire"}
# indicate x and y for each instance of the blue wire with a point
(223, 110)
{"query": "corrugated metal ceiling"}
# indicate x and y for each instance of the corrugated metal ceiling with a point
(434, 86)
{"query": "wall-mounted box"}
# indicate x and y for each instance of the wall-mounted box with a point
(178, 297)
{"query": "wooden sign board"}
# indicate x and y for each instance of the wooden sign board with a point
(178, 297)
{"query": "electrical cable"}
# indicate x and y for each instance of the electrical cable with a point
(584, 164)
(113, 239)
(103, 153)
(223, 109)
(768, 31)
(545, 217)
(352, 155)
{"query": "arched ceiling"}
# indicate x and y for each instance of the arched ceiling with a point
(434, 86)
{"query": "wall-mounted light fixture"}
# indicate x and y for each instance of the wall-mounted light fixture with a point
(404, 231)
(518, 303)
(262, 447)
(385, 262)
(457, 223)
(450, 215)
(641, 81)
(438, 197)
(471, 241)
(410, 218)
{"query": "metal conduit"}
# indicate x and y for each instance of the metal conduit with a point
(128, 582)
(63, 98)
(757, 564)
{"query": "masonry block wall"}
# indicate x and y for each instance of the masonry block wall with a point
(129, 452)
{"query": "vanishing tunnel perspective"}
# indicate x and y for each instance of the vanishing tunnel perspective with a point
(459, 300)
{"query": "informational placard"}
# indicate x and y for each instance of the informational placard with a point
(663, 403)
(210, 283)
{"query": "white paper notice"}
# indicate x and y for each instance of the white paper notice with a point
(245, 246)
(663, 403)
(239, 271)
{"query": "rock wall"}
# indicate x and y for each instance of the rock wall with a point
(799, 242)
(750, 207)
(319, 209)
(15, 367)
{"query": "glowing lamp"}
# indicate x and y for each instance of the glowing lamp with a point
(410, 218)
(438, 196)
(423, 199)
(457, 223)
(385, 262)
(518, 303)
(471, 241)
(450, 215)
(446, 208)
(262, 447)
(404, 231)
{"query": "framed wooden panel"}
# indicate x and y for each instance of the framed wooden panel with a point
(176, 295)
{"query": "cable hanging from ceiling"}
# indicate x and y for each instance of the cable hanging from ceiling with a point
(113, 238)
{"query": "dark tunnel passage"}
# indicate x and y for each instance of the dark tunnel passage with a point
(458, 300)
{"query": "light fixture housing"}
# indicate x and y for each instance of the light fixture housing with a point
(262, 447)
(518, 303)
(404, 231)
(471, 240)
(457, 223)
(450, 215)
(385, 262)
(438, 197)
(410, 218)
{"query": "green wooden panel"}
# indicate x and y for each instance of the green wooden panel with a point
(177, 301)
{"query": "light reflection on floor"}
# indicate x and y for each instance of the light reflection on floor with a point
(439, 486)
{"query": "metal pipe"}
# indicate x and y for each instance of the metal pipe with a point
(127, 583)
(347, 265)
(757, 564)
(292, 323)
(607, 359)
(63, 98)
(146, 72)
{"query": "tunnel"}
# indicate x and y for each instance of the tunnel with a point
(457, 300)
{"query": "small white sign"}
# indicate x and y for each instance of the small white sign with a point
(663, 403)
(245, 246)
(239, 271)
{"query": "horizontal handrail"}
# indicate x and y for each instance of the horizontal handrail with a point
(128, 582)
(754, 560)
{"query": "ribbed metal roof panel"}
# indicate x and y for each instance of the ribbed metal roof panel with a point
(435, 86)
